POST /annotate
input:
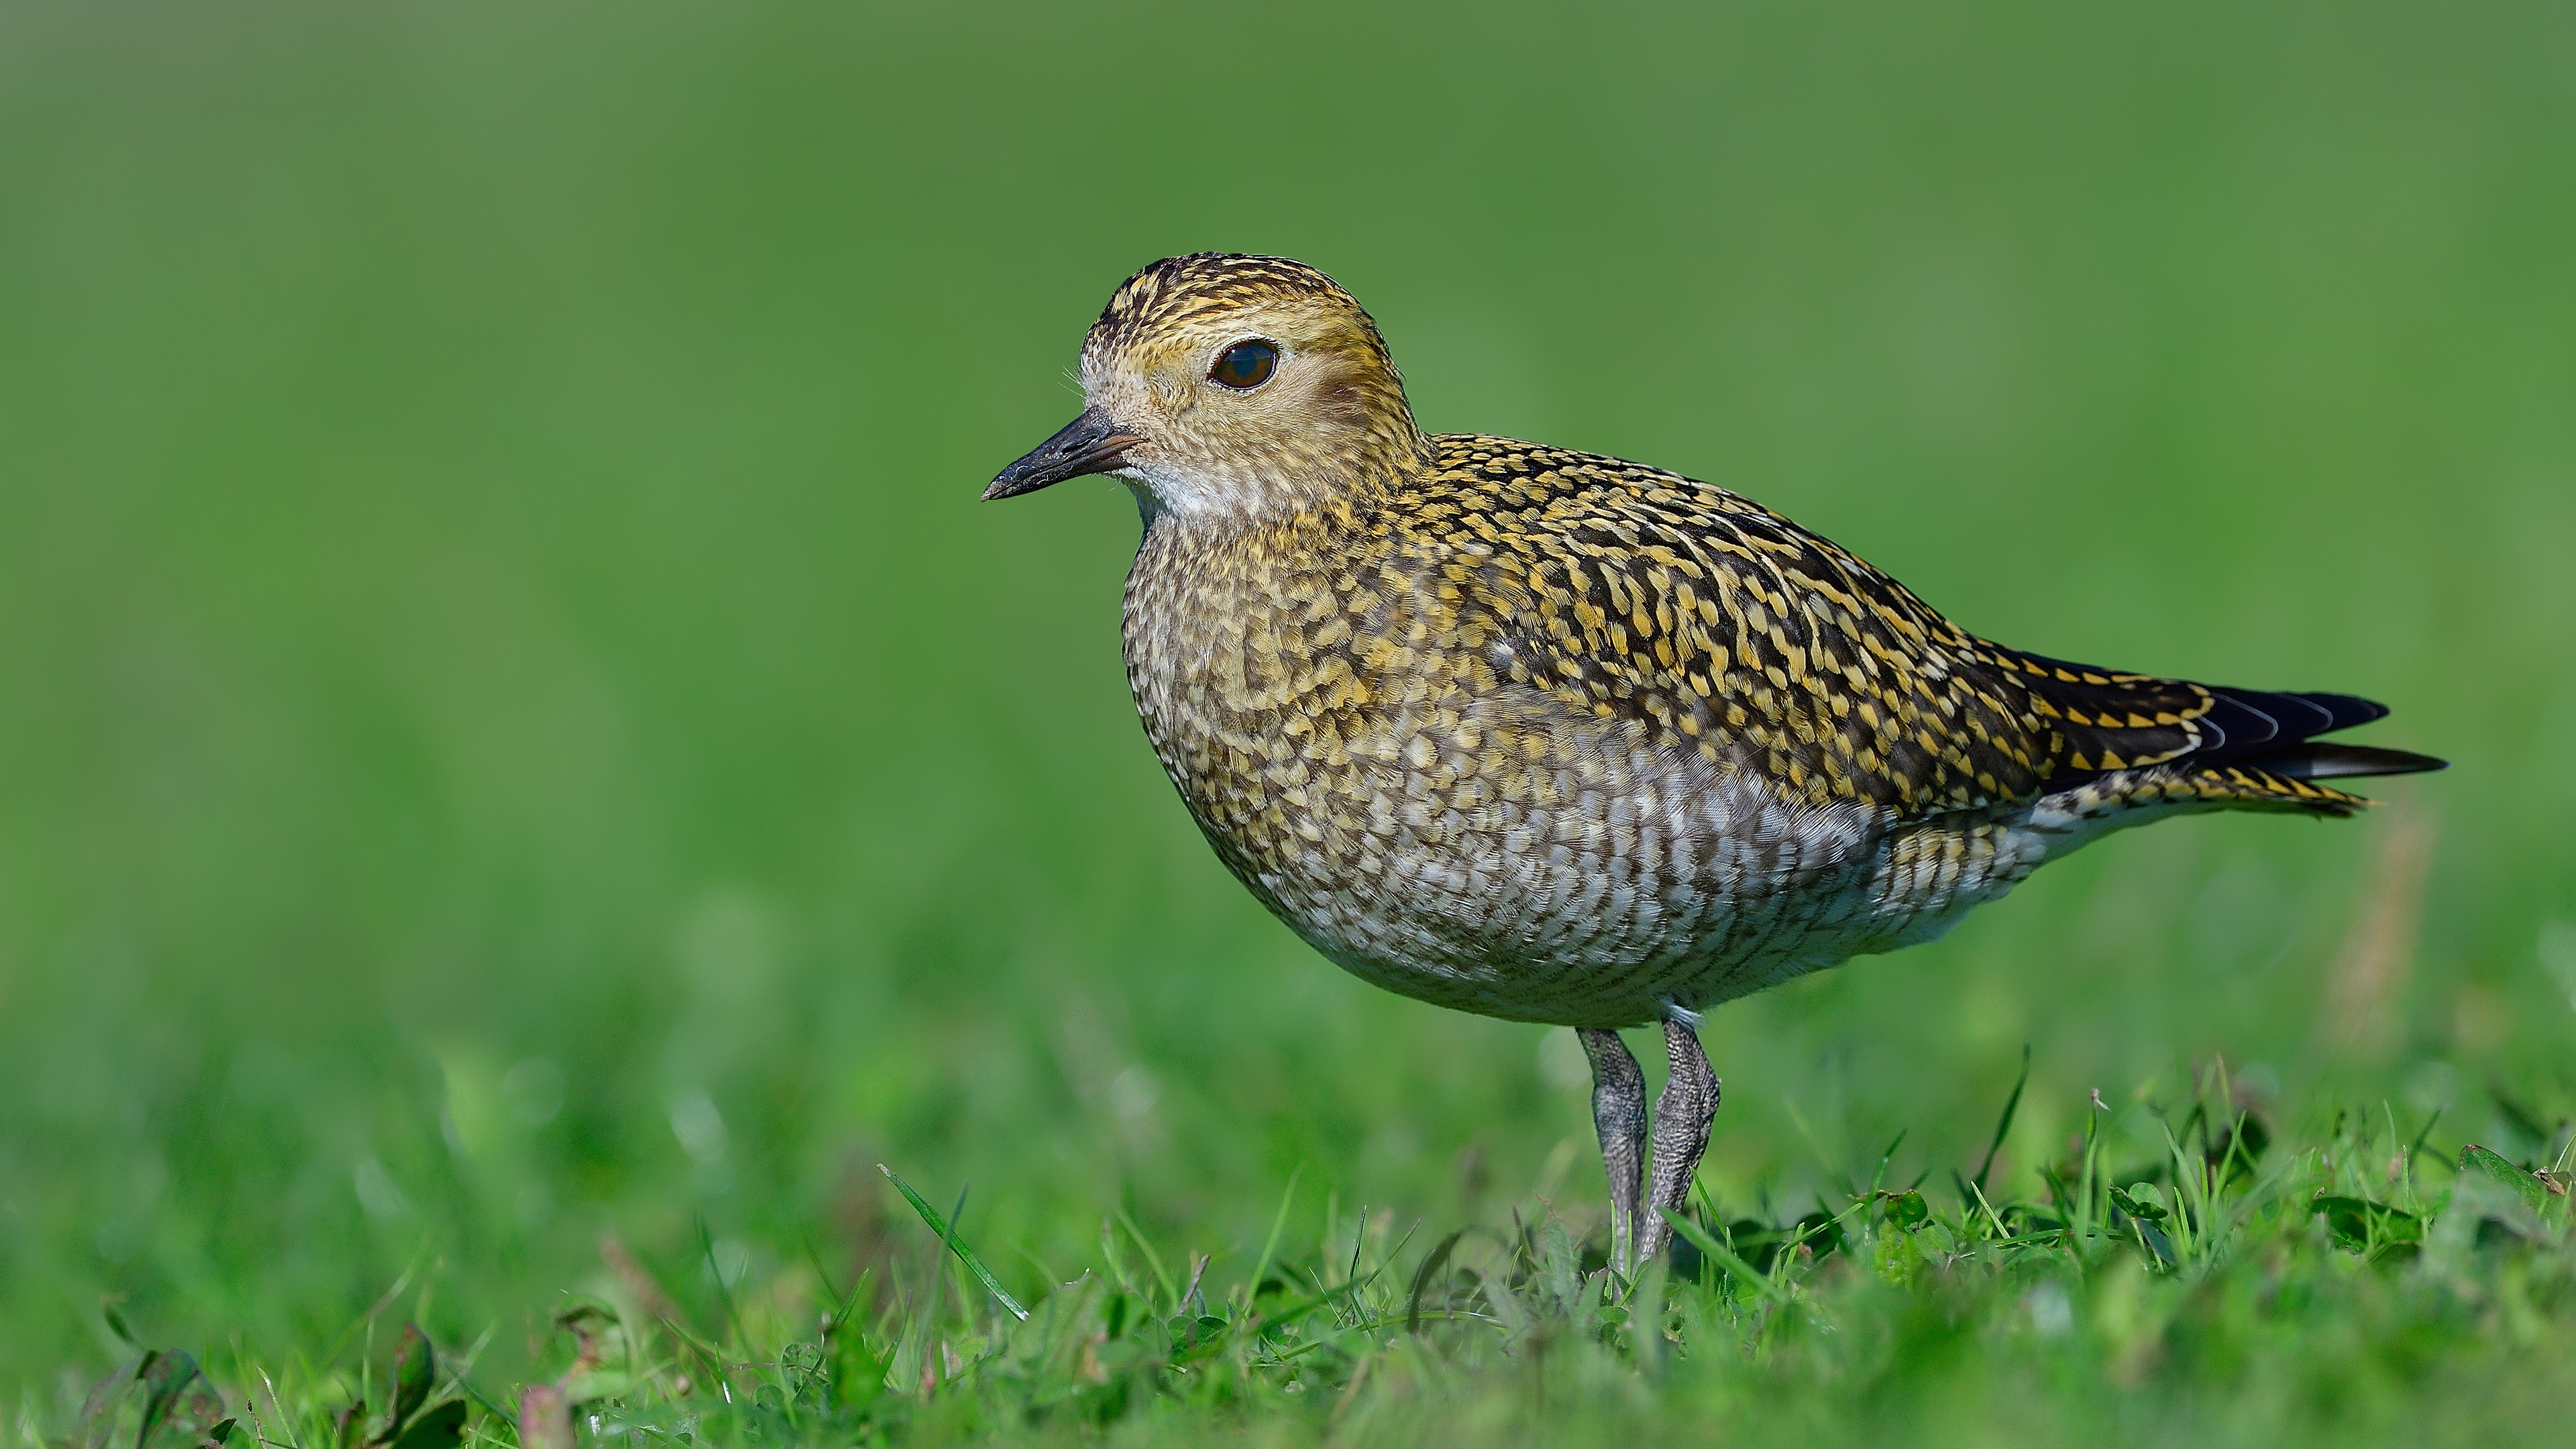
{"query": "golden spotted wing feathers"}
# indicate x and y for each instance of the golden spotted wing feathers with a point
(1727, 629)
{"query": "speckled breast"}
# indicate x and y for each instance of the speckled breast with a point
(1353, 745)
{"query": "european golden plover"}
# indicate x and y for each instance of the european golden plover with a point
(1559, 738)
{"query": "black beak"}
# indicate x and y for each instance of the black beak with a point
(1089, 444)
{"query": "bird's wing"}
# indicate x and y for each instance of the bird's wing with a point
(1717, 625)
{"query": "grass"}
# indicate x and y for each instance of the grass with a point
(525, 774)
(2231, 1289)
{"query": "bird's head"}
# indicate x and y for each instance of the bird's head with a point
(1231, 387)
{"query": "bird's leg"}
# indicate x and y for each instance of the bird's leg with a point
(1619, 1115)
(1682, 1115)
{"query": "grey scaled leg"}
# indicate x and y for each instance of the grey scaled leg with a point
(1619, 1115)
(1682, 1116)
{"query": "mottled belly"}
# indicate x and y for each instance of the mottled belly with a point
(1607, 884)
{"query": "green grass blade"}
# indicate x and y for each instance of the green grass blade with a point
(1719, 1253)
(1432, 1263)
(1878, 1178)
(2003, 1127)
(1153, 1260)
(966, 1255)
(715, 1270)
(2496, 1166)
(1270, 1246)
(933, 1349)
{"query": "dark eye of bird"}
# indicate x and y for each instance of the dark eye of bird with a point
(1245, 365)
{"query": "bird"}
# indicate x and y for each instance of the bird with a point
(1553, 737)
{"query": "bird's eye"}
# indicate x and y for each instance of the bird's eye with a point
(1245, 365)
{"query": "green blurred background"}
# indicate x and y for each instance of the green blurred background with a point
(513, 724)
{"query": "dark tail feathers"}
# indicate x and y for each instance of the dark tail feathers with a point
(2271, 731)
(2318, 761)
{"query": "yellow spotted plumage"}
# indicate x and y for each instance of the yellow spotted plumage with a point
(1556, 737)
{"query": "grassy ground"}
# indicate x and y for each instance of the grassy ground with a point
(516, 738)
(2226, 1289)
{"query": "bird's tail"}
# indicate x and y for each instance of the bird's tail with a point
(2144, 740)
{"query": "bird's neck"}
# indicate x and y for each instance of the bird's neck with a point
(1290, 521)
(1283, 494)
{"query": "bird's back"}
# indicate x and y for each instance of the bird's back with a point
(1552, 736)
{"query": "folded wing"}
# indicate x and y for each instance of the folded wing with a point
(1718, 626)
